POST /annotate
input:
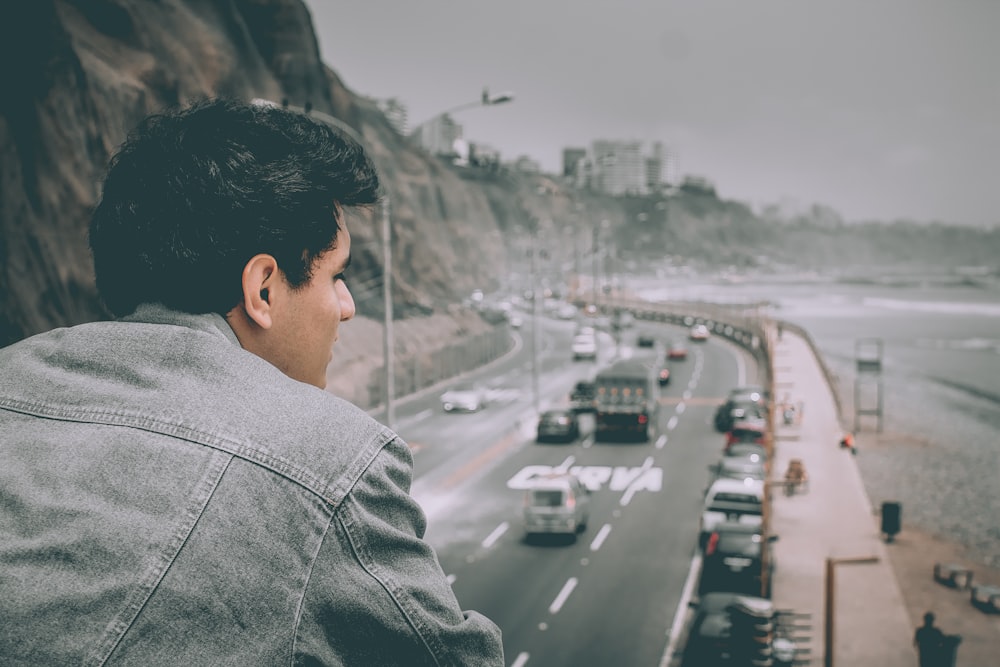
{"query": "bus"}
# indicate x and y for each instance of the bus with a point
(625, 401)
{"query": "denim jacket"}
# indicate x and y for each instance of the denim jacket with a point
(168, 498)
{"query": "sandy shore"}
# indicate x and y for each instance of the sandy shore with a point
(914, 553)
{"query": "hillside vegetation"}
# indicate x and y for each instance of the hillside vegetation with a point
(77, 74)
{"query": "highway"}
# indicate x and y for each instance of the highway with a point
(616, 595)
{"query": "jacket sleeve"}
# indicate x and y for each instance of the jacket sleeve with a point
(377, 594)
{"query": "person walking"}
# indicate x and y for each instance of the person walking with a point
(929, 641)
(177, 487)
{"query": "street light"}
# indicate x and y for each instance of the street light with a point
(485, 100)
(388, 340)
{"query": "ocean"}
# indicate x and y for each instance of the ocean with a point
(938, 338)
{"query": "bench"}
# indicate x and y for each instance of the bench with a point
(952, 575)
(986, 598)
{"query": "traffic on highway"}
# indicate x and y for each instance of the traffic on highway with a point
(584, 550)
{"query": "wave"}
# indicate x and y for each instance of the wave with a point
(942, 307)
(970, 344)
(967, 389)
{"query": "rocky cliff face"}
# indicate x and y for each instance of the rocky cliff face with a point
(78, 74)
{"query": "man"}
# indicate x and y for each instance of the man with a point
(175, 486)
(929, 641)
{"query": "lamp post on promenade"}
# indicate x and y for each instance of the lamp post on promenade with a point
(485, 100)
(388, 337)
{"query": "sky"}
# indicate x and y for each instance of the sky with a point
(879, 109)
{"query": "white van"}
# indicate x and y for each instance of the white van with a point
(584, 346)
(556, 503)
(740, 500)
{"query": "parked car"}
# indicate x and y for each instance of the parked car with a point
(466, 397)
(708, 635)
(698, 333)
(645, 340)
(747, 430)
(676, 351)
(742, 403)
(734, 560)
(738, 467)
(558, 425)
(556, 503)
(739, 500)
(750, 451)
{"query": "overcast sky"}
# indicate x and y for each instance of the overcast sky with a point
(881, 109)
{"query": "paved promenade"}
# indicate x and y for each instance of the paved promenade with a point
(833, 519)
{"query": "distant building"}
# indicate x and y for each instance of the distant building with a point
(438, 135)
(483, 155)
(573, 159)
(527, 165)
(697, 185)
(395, 112)
(619, 167)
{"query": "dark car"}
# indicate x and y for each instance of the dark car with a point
(708, 642)
(738, 407)
(583, 398)
(734, 559)
(560, 425)
(645, 340)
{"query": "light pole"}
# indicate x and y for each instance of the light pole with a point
(485, 100)
(388, 338)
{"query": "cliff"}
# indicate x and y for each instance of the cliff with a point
(78, 74)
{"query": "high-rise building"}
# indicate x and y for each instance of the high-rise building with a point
(619, 167)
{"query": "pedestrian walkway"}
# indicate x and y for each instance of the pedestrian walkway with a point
(834, 519)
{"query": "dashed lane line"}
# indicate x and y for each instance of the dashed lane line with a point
(563, 595)
(602, 535)
(495, 535)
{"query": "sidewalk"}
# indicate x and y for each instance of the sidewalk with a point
(833, 519)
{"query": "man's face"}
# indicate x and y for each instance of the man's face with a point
(307, 320)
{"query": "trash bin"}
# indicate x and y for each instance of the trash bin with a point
(890, 519)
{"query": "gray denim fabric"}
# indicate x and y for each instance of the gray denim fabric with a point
(168, 498)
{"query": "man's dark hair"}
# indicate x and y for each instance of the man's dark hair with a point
(194, 193)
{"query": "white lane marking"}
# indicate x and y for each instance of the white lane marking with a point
(648, 478)
(563, 594)
(564, 466)
(687, 394)
(602, 534)
(495, 535)
(681, 613)
(520, 660)
(451, 578)
(662, 440)
(672, 424)
(681, 407)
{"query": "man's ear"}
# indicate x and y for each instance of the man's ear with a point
(259, 278)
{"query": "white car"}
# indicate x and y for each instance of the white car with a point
(740, 500)
(584, 346)
(556, 503)
(464, 398)
(699, 332)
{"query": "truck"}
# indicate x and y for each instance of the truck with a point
(625, 401)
